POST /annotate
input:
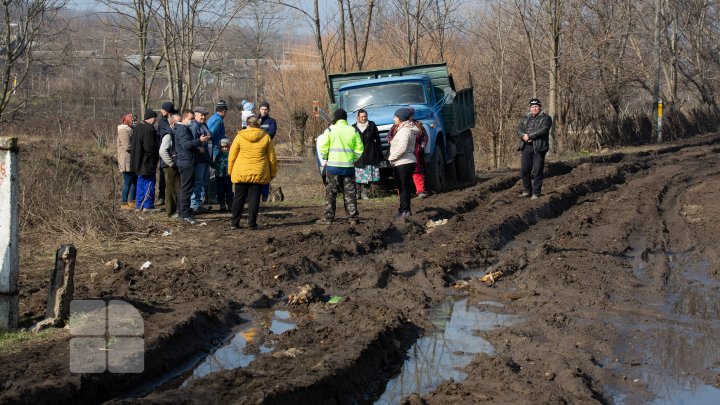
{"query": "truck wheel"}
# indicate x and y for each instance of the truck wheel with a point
(465, 160)
(435, 171)
(451, 174)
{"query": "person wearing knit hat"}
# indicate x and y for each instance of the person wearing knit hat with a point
(144, 159)
(421, 141)
(534, 143)
(341, 146)
(403, 114)
(203, 159)
(163, 128)
(149, 114)
(223, 185)
(402, 157)
(247, 111)
(221, 106)
(267, 124)
(216, 125)
(338, 115)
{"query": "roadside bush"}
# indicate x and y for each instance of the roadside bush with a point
(69, 189)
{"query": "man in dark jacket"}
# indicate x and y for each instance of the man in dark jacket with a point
(534, 133)
(144, 159)
(163, 128)
(185, 148)
(202, 160)
(267, 124)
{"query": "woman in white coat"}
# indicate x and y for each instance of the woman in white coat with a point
(402, 157)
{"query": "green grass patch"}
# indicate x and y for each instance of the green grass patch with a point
(11, 342)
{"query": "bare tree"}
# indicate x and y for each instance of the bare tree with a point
(313, 19)
(191, 33)
(360, 46)
(136, 17)
(266, 23)
(529, 23)
(403, 19)
(443, 19)
(28, 26)
(701, 63)
(555, 10)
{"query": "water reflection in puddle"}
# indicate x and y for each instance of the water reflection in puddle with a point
(441, 355)
(685, 339)
(281, 323)
(233, 354)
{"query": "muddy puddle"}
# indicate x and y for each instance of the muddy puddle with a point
(671, 357)
(443, 353)
(238, 350)
(235, 354)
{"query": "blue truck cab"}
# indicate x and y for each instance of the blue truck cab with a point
(447, 115)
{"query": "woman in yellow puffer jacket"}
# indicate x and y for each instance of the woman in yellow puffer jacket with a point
(251, 164)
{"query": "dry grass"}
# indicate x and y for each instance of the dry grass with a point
(300, 182)
(68, 190)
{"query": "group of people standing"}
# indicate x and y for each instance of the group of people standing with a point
(187, 146)
(349, 158)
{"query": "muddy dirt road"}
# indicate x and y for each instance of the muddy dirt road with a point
(609, 294)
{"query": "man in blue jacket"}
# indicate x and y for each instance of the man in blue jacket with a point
(216, 125)
(185, 148)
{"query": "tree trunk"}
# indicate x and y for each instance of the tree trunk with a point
(556, 17)
(319, 45)
(343, 42)
(299, 119)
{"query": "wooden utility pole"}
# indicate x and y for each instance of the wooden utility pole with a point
(9, 241)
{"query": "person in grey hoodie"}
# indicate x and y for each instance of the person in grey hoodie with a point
(402, 157)
(169, 157)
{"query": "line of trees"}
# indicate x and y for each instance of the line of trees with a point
(594, 63)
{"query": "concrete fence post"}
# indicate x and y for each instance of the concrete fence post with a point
(9, 241)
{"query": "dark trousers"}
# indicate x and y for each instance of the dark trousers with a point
(532, 166)
(404, 180)
(161, 183)
(224, 189)
(187, 183)
(335, 184)
(249, 192)
(172, 183)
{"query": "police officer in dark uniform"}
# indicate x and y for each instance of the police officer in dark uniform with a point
(534, 133)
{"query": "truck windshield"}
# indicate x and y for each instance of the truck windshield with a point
(386, 94)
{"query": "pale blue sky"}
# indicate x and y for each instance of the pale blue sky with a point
(90, 4)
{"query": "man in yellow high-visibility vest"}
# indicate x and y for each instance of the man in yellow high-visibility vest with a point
(340, 146)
